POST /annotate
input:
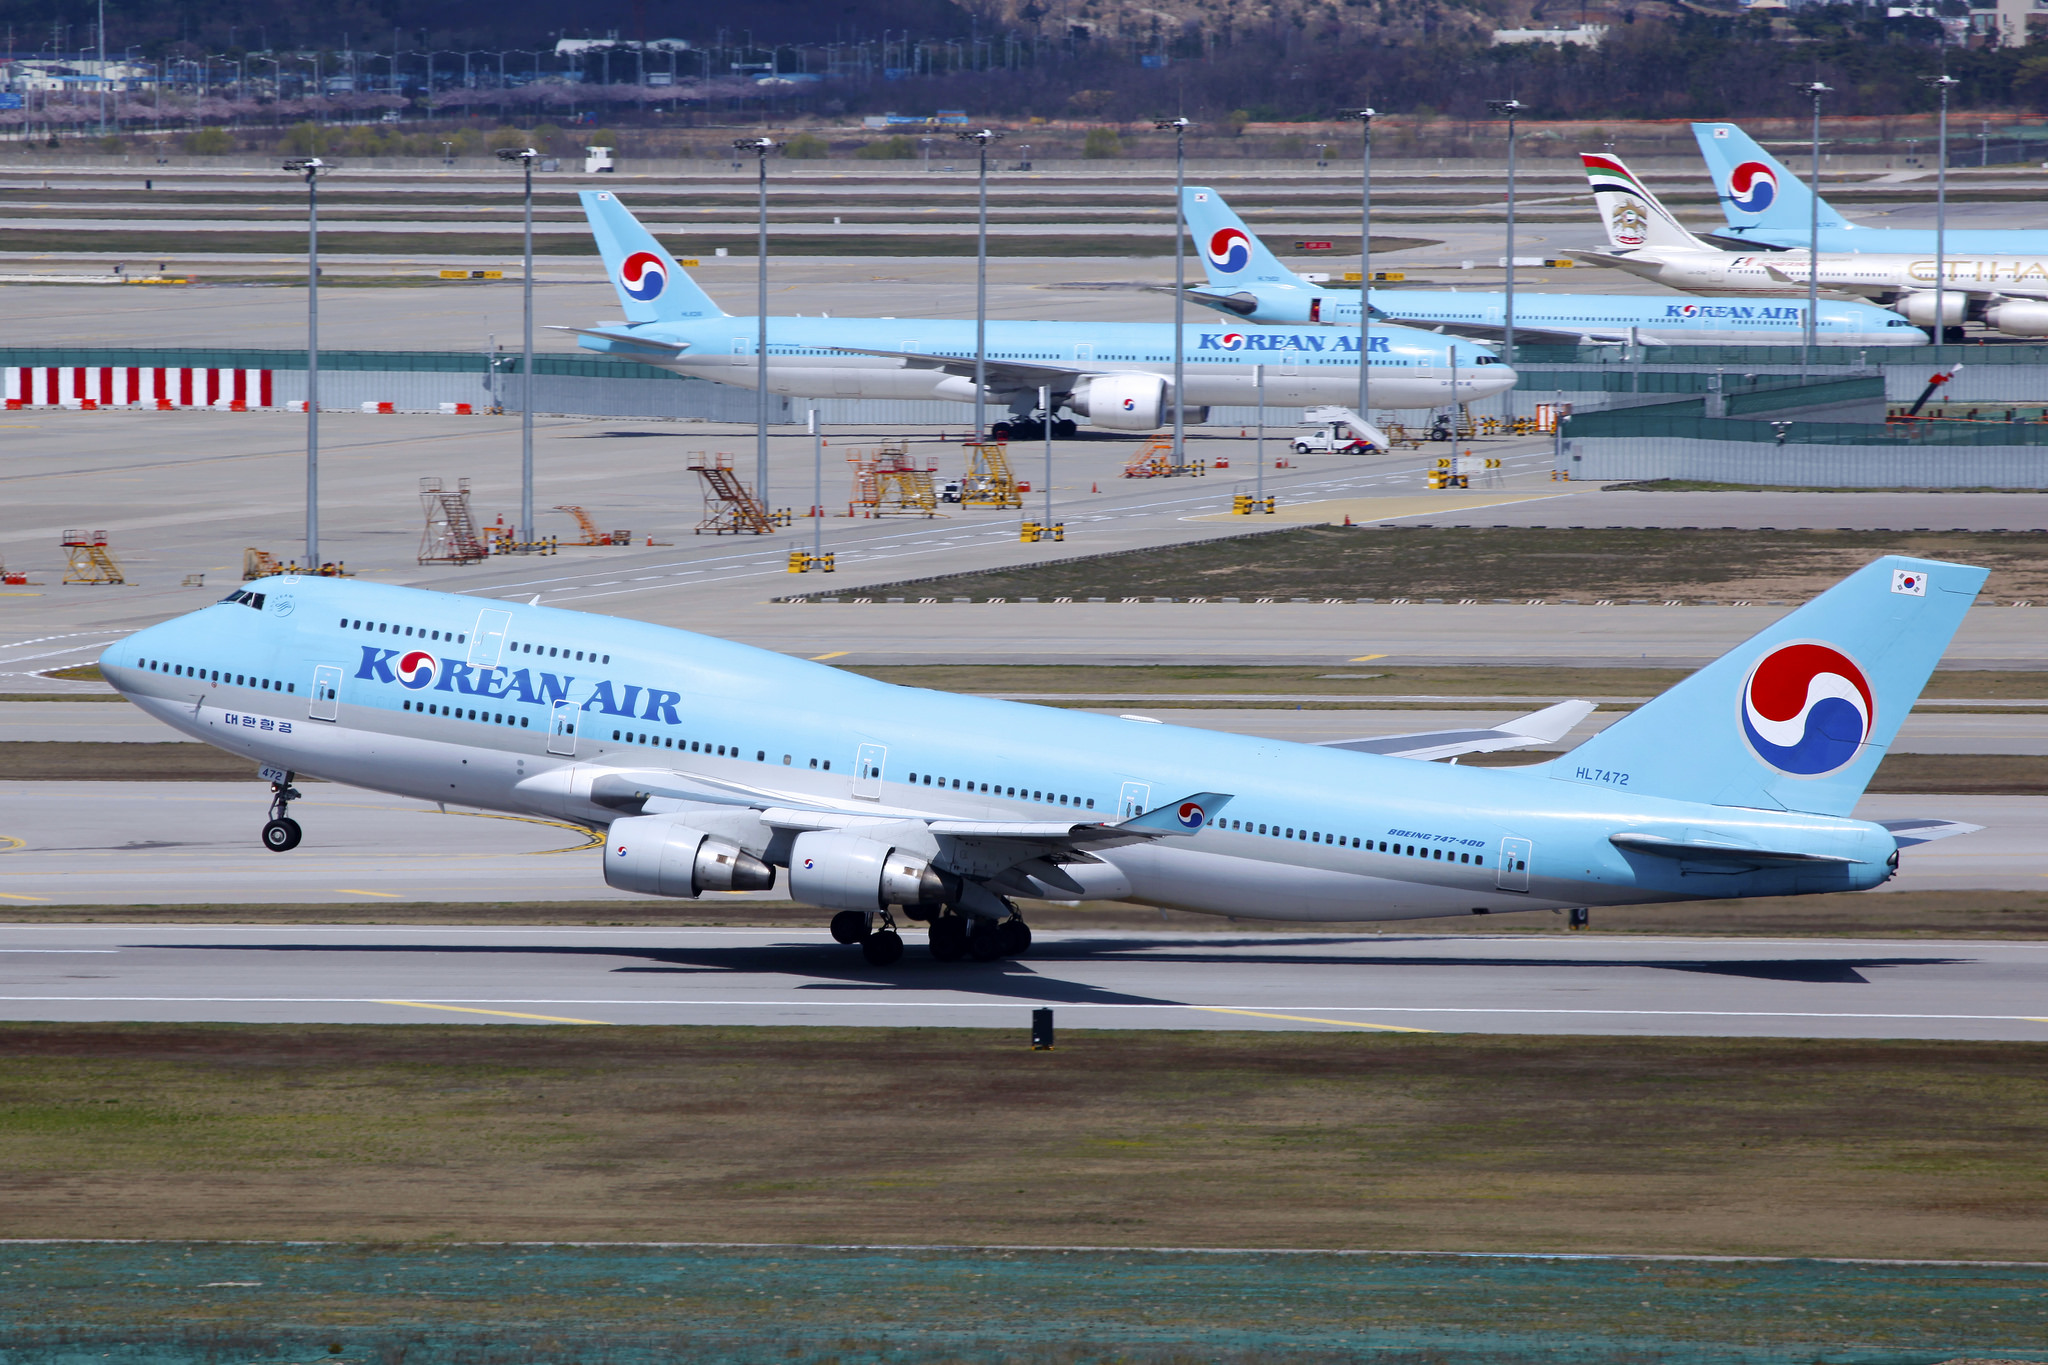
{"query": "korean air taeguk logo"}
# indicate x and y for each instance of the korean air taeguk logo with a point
(1191, 816)
(1807, 709)
(1752, 187)
(418, 669)
(1230, 250)
(642, 276)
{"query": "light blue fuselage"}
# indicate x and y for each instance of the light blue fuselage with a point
(430, 695)
(819, 358)
(1666, 318)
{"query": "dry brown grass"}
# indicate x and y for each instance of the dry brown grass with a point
(938, 1136)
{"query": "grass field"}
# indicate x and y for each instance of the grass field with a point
(435, 1132)
(1517, 563)
(1897, 914)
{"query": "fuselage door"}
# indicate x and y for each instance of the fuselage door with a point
(867, 762)
(1136, 799)
(1513, 872)
(742, 350)
(562, 728)
(1085, 352)
(325, 703)
(487, 641)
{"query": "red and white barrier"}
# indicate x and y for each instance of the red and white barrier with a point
(131, 386)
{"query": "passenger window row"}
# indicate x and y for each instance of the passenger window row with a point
(1021, 793)
(1435, 854)
(430, 708)
(388, 628)
(695, 746)
(557, 651)
(216, 675)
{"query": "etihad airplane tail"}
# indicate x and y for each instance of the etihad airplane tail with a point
(1232, 255)
(652, 287)
(1798, 717)
(1633, 217)
(1755, 190)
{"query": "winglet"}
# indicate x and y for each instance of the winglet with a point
(1189, 815)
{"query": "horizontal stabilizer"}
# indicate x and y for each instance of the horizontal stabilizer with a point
(624, 338)
(1694, 852)
(1548, 726)
(1926, 830)
(1188, 815)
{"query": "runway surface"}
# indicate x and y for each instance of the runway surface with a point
(1402, 980)
(195, 843)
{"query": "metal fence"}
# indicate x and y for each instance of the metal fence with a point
(1763, 462)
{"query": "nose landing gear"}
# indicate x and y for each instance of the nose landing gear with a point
(282, 833)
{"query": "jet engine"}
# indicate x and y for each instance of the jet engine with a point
(658, 855)
(1125, 402)
(1918, 307)
(2019, 317)
(838, 870)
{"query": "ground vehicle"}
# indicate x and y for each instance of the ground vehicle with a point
(1333, 438)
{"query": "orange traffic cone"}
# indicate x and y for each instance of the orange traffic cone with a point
(1094, 488)
(1347, 518)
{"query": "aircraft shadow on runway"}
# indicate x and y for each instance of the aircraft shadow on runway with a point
(843, 969)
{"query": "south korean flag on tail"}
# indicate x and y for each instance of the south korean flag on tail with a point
(1910, 582)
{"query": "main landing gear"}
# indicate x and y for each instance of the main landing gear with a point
(1022, 429)
(953, 936)
(282, 833)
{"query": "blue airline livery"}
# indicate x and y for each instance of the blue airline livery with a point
(1246, 279)
(716, 766)
(1769, 206)
(1117, 375)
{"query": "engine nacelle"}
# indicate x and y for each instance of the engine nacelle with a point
(658, 855)
(1918, 308)
(2019, 317)
(840, 871)
(1124, 402)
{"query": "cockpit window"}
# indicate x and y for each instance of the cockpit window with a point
(245, 597)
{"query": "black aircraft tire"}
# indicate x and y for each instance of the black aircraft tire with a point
(984, 942)
(282, 835)
(882, 948)
(949, 938)
(849, 926)
(1066, 429)
(1015, 936)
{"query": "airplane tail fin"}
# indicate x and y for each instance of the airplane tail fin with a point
(652, 287)
(1232, 255)
(1798, 716)
(1630, 213)
(1755, 190)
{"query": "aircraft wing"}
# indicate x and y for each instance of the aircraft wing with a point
(1001, 373)
(1907, 833)
(1493, 331)
(629, 793)
(1547, 726)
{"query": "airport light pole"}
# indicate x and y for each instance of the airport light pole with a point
(760, 147)
(310, 167)
(1365, 118)
(981, 139)
(1942, 85)
(1180, 128)
(525, 157)
(1509, 108)
(1808, 334)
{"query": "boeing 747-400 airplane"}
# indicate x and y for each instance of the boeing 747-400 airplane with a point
(715, 766)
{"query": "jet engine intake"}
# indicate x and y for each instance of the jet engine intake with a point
(2019, 317)
(658, 855)
(837, 870)
(1124, 402)
(1918, 307)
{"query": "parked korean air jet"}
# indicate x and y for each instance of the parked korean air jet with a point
(2009, 294)
(713, 766)
(1246, 279)
(1768, 206)
(1116, 375)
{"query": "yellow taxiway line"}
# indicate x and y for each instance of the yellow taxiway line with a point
(1308, 1019)
(502, 1014)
